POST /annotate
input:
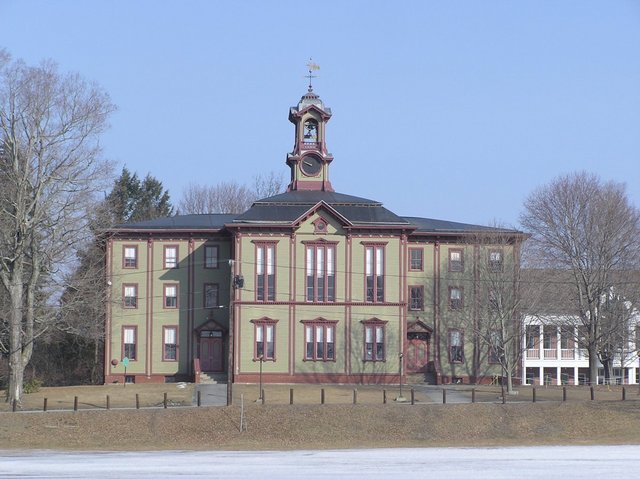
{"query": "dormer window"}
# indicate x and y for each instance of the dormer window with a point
(310, 131)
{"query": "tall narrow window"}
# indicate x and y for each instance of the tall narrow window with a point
(495, 347)
(456, 346)
(374, 273)
(456, 300)
(416, 298)
(550, 337)
(265, 272)
(415, 259)
(211, 256)
(374, 340)
(265, 346)
(171, 296)
(170, 257)
(456, 260)
(321, 274)
(170, 344)
(130, 257)
(566, 337)
(129, 334)
(130, 296)
(211, 295)
(320, 341)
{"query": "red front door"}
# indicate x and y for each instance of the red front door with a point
(417, 355)
(211, 354)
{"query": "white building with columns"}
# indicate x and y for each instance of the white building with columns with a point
(553, 356)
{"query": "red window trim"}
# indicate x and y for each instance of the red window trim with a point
(266, 244)
(450, 300)
(451, 262)
(326, 245)
(374, 245)
(319, 322)
(421, 250)
(374, 322)
(164, 358)
(164, 295)
(124, 286)
(164, 256)
(257, 323)
(135, 335)
(216, 262)
(125, 246)
(421, 287)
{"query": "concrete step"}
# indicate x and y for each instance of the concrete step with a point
(213, 378)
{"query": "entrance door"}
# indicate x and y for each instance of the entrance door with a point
(211, 354)
(417, 352)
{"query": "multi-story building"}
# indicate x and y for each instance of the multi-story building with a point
(554, 355)
(310, 285)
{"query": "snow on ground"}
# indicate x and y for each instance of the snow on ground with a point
(566, 462)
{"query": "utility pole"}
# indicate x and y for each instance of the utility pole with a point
(232, 292)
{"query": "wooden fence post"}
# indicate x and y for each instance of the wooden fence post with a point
(108, 402)
(322, 396)
(75, 403)
(164, 401)
(355, 396)
(534, 394)
(593, 396)
(384, 396)
(44, 405)
(199, 398)
(444, 396)
(291, 396)
(137, 401)
(564, 394)
(473, 395)
(413, 398)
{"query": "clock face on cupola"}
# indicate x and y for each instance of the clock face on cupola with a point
(309, 161)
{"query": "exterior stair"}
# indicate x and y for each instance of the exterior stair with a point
(213, 378)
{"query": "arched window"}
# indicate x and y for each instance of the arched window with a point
(310, 134)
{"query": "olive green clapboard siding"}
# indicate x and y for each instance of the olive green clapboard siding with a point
(246, 331)
(220, 276)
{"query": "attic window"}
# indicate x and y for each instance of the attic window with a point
(320, 226)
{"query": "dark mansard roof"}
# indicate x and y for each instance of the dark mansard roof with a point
(288, 207)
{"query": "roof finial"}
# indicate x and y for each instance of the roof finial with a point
(312, 67)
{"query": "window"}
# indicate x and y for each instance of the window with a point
(170, 257)
(321, 274)
(374, 272)
(319, 341)
(374, 333)
(130, 257)
(416, 298)
(566, 337)
(495, 300)
(171, 296)
(130, 296)
(456, 260)
(495, 347)
(533, 337)
(211, 256)
(170, 344)
(211, 295)
(456, 346)
(265, 346)
(550, 337)
(265, 272)
(129, 334)
(455, 298)
(415, 259)
(495, 260)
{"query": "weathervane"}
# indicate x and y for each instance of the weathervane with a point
(312, 67)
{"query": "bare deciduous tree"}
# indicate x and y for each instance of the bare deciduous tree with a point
(589, 231)
(228, 197)
(496, 317)
(50, 168)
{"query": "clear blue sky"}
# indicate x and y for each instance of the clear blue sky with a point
(453, 110)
